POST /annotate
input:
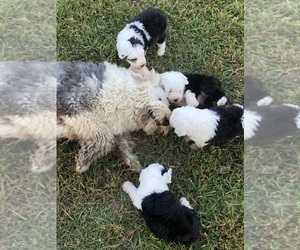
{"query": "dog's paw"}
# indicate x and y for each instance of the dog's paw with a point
(81, 166)
(185, 202)
(222, 101)
(134, 165)
(193, 103)
(126, 186)
(265, 101)
(44, 158)
(161, 49)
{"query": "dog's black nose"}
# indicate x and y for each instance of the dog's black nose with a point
(142, 65)
(175, 100)
(166, 122)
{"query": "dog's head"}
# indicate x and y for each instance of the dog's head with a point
(156, 173)
(180, 122)
(131, 47)
(174, 84)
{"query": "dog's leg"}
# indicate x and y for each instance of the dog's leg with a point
(124, 148)
(185, 202)
(45, 157)
(130, 189)
(91, 150)
(191, 98)
(222, 101)
(161, 43)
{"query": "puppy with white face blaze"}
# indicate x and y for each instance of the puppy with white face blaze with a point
(139, 34)
(167, 218)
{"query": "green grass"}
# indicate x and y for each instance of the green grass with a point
(272, 207)
(93, 211)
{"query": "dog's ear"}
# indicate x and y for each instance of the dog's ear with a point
(168, 176)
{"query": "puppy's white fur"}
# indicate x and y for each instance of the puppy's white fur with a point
(125, 48)
(151, 181)
(174, 84)
(198, 124)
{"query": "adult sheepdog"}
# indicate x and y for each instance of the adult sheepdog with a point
(28, 108)
(165, 216)
(147, 28)
(100, 103)
(195, 90)
(204, 126)
(269, 123)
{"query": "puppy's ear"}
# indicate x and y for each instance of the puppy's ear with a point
(168, 176)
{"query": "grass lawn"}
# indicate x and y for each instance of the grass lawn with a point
(92, 210)
(272, 208)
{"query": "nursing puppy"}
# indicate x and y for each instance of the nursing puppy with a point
(255, 92)
(165, 216)
(195, 90)
(139, 34)
(270, 123)
(204, 126)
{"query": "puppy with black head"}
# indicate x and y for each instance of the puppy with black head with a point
(139, 34)
(165, 216)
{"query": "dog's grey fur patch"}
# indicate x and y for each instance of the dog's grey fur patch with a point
(78, 86)
(25, 88)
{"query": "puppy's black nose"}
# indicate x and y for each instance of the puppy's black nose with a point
(175, 100)
(142, 65)
(165, 122)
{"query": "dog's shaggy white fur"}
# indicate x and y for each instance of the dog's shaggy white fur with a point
(99, 103)
(28, 108)
(195, 90)
(165, 216)
(270, 123)
(203, 126)
(147, 28)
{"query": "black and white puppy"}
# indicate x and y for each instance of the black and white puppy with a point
(195, 90)
(270, 123)
(165, 216)
(255, 93)
(204, 126)
(147, 28)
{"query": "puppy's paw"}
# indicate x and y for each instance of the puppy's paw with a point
(193, 103)
(265, 101)
(222, 101)
(185, 202)
(161, 49)
(126, 186)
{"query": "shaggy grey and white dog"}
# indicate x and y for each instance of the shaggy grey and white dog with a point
(100, 103)
(28, 108)
(165, 216)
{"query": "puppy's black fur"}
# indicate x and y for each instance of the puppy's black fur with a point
(167, 218)
(155, 23)
(254, 90)
(277, 122)
(209, 85)
(230, 123)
